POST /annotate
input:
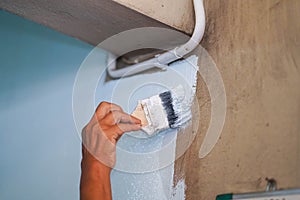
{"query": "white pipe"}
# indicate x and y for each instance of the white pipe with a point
(162, 61)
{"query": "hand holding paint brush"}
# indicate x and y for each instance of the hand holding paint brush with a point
(163, 111)
(99, 137)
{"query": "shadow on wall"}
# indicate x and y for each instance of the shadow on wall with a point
(39, 146)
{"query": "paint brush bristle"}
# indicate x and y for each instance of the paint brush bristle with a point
(167, 102)
(163, 111)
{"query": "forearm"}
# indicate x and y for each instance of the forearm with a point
(95, 180)
(100, 136)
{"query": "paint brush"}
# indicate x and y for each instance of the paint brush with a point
(163, 111)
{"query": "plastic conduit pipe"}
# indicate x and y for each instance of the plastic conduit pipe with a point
(162, 60)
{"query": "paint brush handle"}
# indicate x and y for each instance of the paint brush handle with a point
(140, 114)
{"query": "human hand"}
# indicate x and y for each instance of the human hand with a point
(100, 135)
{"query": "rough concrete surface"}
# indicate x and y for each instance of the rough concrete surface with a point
(176, 13)
(91, 21)
(256, 46)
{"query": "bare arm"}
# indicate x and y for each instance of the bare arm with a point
(99, 138)
(95, 179)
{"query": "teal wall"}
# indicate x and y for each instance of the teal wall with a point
(39, 147)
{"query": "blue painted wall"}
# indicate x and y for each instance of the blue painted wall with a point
(39, 147)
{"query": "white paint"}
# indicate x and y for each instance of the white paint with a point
(156, 115)
(145, 166)
(179, 190)
(182, 102)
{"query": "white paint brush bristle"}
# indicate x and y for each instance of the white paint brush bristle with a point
(163, 111)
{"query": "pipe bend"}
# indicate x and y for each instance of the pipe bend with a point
(170, 56)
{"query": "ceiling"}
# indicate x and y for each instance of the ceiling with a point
(89, 20)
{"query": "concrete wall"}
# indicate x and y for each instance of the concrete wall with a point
(255, 45)
(175, 13)
(91, 21)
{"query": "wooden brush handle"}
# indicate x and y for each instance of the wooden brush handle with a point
(140, 114)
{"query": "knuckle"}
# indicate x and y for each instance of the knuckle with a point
(115, 114)
(115, 111)
(117, 106)
(102, 105)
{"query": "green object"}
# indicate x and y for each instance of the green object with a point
(224, 197)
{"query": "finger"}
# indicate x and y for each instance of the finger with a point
(115, 107)
(115, 117)
(136, 120)
(105, 107)
(120, 129)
